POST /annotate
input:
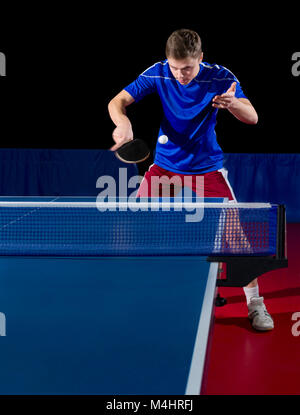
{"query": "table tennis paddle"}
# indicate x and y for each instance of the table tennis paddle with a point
(133, 151)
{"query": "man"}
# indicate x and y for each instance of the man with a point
(191, 92)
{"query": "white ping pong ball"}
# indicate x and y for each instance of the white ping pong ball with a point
(163, 139)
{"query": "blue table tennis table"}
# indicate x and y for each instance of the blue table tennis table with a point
(118, 325)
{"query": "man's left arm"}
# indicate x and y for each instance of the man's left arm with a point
(241, 108)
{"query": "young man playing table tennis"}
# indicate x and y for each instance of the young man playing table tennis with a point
(191, 92)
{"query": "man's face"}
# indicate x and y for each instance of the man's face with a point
(185, 70)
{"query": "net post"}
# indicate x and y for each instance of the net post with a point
(241, 270)
(281, 233)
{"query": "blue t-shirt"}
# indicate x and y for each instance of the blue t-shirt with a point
(189, 118)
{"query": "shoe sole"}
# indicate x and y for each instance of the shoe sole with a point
(263, 329)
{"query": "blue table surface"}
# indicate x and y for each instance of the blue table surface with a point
(100, 326)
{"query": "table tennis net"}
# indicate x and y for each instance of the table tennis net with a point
(79, 229)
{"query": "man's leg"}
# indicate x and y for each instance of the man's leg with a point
(216, 184)
(257, 312)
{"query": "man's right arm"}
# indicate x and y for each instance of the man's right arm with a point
(117, 111)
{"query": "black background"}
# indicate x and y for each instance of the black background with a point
(64, 65)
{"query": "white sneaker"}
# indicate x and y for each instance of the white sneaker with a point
(257, 313)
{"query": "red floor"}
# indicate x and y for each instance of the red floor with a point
(246, 362)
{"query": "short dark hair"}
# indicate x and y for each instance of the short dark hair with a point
(183, 43)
